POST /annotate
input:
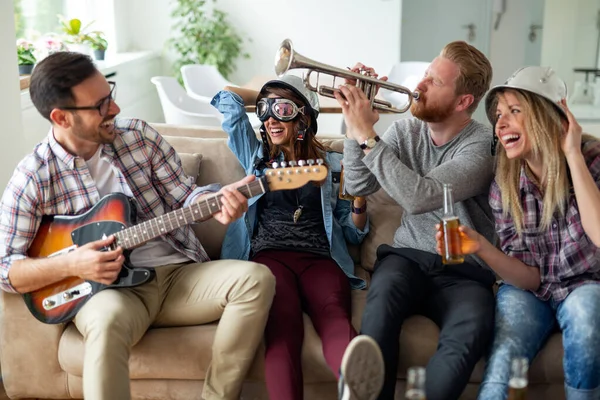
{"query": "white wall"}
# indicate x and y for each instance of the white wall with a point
(12, 149)
(329, 31)
(510, 46)
(339, 34)
(570, 37)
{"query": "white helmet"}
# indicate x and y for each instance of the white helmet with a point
(542, 81)
(296, 84)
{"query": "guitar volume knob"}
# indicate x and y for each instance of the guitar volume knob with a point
(47, 303)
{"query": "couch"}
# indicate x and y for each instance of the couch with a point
(45, 361)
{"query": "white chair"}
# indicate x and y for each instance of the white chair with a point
(203, 81)
(181, 109)
(407, 74)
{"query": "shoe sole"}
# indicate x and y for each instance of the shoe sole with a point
(363, 368)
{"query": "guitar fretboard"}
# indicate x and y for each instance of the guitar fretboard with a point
(199, 211)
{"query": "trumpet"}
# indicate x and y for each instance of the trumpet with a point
(286, 58)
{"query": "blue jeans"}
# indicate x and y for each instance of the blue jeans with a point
(524, 323)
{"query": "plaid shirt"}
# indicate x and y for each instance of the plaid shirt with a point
(565, 255)
(51, 181)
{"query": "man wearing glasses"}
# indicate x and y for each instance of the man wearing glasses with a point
(87, 155)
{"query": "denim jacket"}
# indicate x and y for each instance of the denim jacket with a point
(336, 213)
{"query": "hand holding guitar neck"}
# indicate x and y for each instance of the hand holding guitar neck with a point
(233, 203)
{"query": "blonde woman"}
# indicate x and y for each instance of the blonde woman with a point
(546, 203)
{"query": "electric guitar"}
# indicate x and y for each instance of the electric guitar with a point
(113, 215)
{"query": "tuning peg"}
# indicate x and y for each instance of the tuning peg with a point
(301, 163)
(275, 165)
(319, 161)
(293, 163)
(283, 164)
(311, 162)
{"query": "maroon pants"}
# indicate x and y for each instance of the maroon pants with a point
(308, 283)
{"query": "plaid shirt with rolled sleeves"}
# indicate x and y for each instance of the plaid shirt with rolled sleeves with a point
(51, 181)
(565, 255)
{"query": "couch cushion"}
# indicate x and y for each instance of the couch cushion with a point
(191, 164)
(219, 165)
(185, 352)
(384, 218)
(189, 131)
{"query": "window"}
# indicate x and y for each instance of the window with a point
(35, 18)
(37, 15)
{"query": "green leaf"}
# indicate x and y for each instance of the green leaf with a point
(202, 36)
(75, 26)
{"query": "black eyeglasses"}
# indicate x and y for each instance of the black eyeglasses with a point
(104, 104)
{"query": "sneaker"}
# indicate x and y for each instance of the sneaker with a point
(362, 372)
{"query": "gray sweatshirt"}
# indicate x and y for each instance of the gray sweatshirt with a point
(412, 170)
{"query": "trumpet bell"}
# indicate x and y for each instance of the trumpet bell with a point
(284, 57)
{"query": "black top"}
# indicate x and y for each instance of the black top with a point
(276, 227)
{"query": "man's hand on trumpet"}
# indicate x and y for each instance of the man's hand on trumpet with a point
(360, 68)
(359, 116)
(358, 113)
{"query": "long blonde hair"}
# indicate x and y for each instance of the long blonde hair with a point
(544, 129)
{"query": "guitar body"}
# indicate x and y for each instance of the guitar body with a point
(60, 301)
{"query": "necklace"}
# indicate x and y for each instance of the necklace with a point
(298, 212)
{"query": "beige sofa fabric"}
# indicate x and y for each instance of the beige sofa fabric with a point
(191, 164)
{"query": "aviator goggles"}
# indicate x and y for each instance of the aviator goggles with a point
(281, 109)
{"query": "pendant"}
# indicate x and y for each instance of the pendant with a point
(297, 214)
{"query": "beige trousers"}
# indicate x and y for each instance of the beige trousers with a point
(239, 293)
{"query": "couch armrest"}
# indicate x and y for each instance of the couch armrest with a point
(29, 353)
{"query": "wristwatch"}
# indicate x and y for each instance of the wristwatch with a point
(370, 142)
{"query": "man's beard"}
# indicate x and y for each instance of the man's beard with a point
(92, 134)
(434, 114)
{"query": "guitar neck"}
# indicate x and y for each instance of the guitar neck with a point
(199, 211)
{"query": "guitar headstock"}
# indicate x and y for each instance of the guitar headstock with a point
(295, 175)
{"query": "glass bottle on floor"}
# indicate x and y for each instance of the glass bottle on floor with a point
(415, 384)
(517, 385)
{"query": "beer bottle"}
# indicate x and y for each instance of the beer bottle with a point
(415, 384)
(517, 385)
(343, 194)
(451, 250)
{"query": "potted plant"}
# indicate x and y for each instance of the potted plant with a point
(75, 35)
(25, 56)
(203, 36)
(48, 44)
(98, 43)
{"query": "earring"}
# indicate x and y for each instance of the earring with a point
(301, 131)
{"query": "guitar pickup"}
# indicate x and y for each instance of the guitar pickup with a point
(67, 296)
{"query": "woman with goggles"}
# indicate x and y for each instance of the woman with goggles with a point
(300, 235)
